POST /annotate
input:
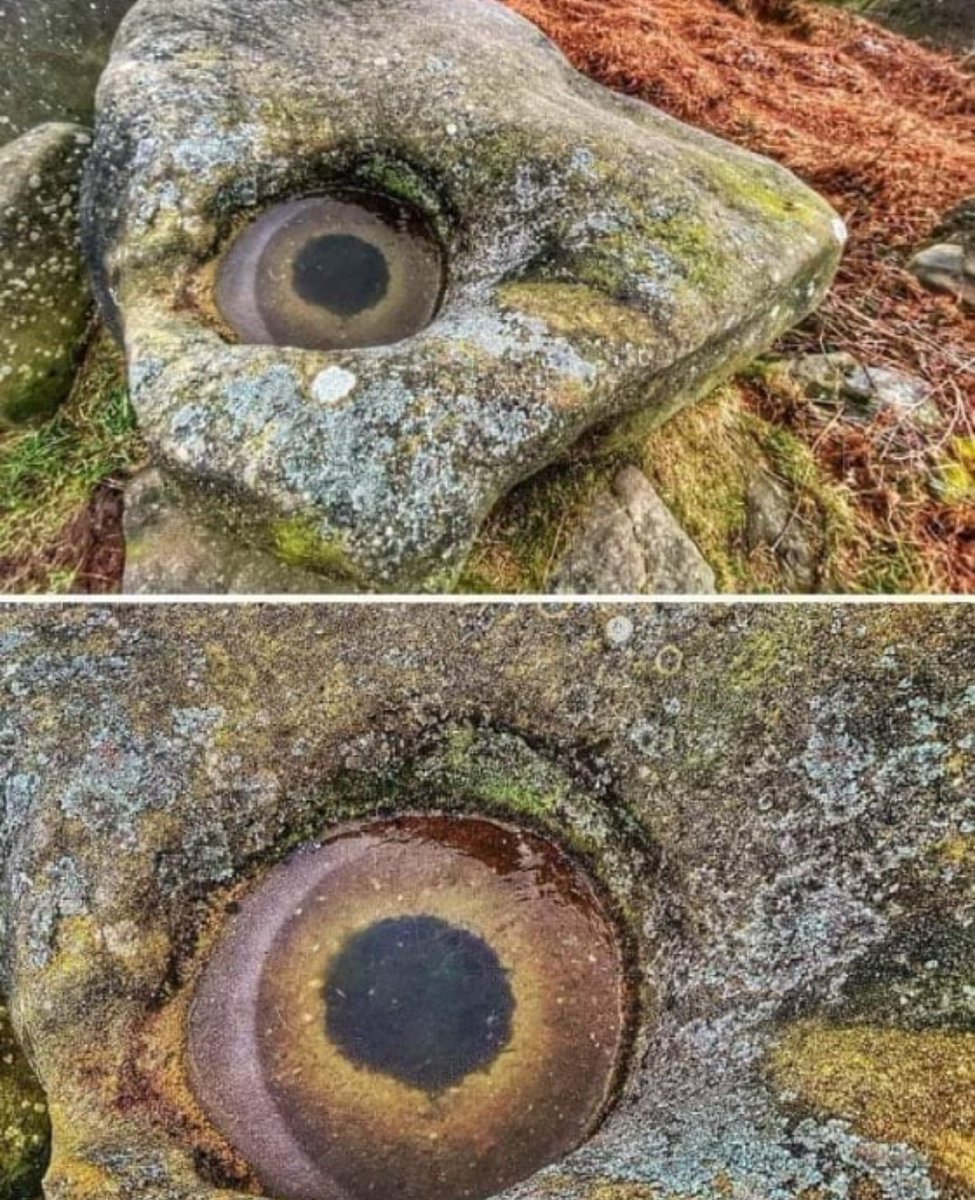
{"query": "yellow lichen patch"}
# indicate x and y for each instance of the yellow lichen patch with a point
(896, 1085)
(572, 309)
(24, 1132)
(959, 851)
(956, 475)
(75, 1177)
(623, 1191)
(79, 945)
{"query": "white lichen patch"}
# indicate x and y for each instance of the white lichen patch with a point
(332, 385)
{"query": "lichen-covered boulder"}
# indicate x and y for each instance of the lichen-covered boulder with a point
(598, 257)
(778, 803)
(45, 300)
(51, 55)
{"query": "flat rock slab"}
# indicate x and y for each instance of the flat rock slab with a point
(779, 798)
(630, 543)
(45, 300)
(861, 391)
(601, 258)
(51, 55)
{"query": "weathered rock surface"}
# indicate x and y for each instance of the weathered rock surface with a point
(862, 392)
(51, 55)
(630, 543)
(171, 551)
(601, 257)
(45, 300)
(780, 799)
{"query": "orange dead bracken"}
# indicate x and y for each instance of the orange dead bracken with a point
(882, 127)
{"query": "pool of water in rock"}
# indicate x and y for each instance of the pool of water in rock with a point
(429, 1007)
(339, 271)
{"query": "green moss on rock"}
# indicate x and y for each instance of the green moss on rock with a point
(24, 1124)
(299, 544)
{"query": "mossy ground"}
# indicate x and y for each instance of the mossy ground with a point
(700, 462)
(24, 1130)
(49, 473)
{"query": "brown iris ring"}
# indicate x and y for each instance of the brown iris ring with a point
(480, 943)
(346, 269)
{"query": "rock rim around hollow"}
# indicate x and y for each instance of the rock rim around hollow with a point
(601, 258)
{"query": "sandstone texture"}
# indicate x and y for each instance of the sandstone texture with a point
(601, 258)
(45, 300)
(780, 803)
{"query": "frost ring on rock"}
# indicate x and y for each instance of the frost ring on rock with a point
(603, 258)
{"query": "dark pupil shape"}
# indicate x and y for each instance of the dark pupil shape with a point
(342, 273)
(418, 999)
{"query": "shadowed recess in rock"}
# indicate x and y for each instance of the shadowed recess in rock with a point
(419, 999)
(429, 1007)
(346, 270)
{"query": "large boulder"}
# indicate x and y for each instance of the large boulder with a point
(51, 55)
(600, 257)
(45, 300)
(778, 800)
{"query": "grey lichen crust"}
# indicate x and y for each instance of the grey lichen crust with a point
(45, 300)
(779, 803)
(602, 258)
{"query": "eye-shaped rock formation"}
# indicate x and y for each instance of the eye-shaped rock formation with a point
(776, 805)
(598, 257)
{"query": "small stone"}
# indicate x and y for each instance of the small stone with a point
(333, 384)
(948, 267)
(772, 522)
(862, 392)
(631, 544)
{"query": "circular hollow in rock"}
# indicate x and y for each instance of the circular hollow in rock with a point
(339, 271)
(429, 1007)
